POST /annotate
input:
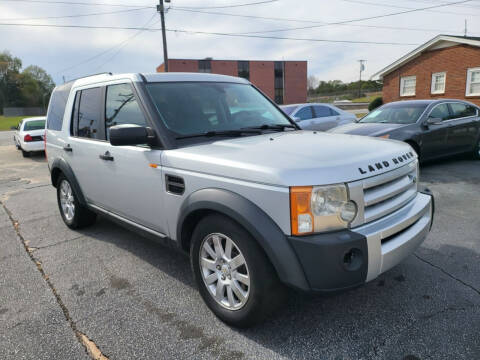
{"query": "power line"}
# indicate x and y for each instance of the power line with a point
(207, 33)
(359, 19)
(76, 3)
(313, 21)
(105, 51)
(227, 6)
(78, 15)
(407, 7)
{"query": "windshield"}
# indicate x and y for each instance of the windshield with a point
(395, 114)
(34, 125)
(288, 109)
(199, 107)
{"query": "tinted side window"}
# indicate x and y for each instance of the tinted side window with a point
(440, 112)
(121, 107)
(89, 114)
(322, 111)
(460, 110)
(304, 113)
(56, 108)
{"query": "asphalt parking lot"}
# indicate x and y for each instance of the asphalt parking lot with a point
(124, 297)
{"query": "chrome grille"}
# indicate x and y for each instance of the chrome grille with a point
(383, 194)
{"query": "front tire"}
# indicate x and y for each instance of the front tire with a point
(233, 275)
(74, 214)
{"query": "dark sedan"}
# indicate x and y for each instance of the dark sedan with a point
(434, 128)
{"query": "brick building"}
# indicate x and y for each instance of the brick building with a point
(444, 67)
(285, 82)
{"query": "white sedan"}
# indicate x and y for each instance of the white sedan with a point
(29, 135)
(316, 116)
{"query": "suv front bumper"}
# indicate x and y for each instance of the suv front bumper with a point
(348, 258)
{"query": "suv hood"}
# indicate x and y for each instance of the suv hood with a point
(292, 158)
(369, 129)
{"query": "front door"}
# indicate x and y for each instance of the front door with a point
(305, 118)
(435, 136)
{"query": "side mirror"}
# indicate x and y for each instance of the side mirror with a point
(121, 135)
(433, 121)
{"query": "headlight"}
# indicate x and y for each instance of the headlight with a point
(320, 208)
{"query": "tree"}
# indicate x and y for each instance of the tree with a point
(31, 87)
(312, 83)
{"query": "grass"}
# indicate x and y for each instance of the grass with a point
(7, 122)
(367, 99)
(360, 115)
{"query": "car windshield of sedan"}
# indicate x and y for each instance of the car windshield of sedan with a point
(395, 114)
(34, 125)
(200, 107)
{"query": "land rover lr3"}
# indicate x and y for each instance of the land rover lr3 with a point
(209, 164)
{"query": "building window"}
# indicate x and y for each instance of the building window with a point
(473, 82)
(204, 66)
(244, 69)
(407, 85)
(279, 90)
(438, 83)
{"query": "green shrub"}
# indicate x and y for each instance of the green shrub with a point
(375, 103)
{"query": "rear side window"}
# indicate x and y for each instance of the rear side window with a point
(460, 110)
(322, 111)
(90, 123)
(121, 107)
(56, 108)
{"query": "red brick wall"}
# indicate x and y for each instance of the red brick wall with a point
(295, 82)
(262, 75)
(224, 67)
(453, 60)
(180, 65)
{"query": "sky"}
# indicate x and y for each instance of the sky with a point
(74, 52)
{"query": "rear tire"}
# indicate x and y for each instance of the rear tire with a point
(25, 153)
(249, 292)
(74, 215)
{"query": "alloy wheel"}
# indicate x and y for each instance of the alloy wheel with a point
(67, 200)
(224, 271)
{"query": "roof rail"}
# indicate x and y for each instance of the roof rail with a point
(84, 77)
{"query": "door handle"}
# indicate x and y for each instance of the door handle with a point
(106, 156)
(67, 148)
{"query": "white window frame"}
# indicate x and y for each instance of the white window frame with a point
(469, 82)
(434, 75)
(402, 83)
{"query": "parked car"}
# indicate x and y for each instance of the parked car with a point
(434, 128)
(28, 135)
(256, 202)
(320, 117)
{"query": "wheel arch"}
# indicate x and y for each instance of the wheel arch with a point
(415, 145)
(253, 219)
(59, 167)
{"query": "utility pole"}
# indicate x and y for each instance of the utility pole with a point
(362, 67)
(161, 10)
(465, 31)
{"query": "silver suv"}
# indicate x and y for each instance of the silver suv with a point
(209, 165)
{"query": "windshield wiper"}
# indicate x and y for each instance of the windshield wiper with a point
(280, 127)
(238, 132)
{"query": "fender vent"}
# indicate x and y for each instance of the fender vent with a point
(174, 184)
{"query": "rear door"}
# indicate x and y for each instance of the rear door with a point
(325, 117)
(462, 127)
(434, 137)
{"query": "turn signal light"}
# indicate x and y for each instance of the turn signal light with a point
(300, 210)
